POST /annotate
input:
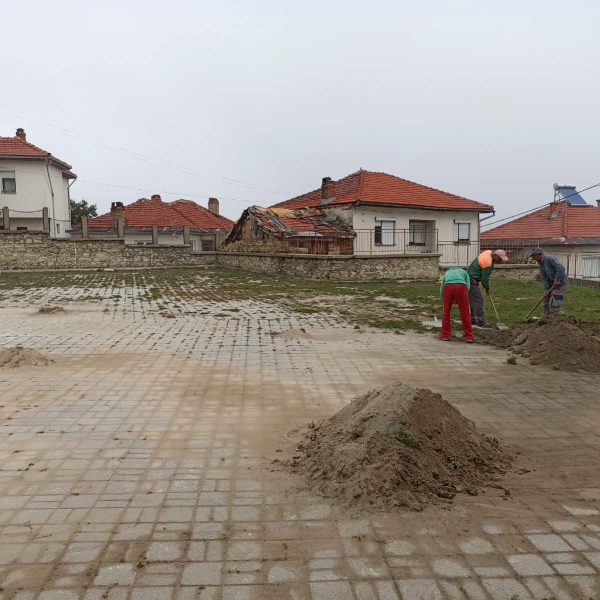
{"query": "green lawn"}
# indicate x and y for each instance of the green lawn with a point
(375, 304)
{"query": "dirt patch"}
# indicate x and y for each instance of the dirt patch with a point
(561, 343)
(18, 356)
(398, 447)
(51, 310)
(293, 334)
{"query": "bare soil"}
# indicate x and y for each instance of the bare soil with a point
(18, 356)
(51, 310)
(561, 343)
(398, 447)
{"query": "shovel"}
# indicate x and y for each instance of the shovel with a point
(538, 303)
(499, 325)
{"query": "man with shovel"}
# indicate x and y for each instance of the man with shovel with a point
(554, 279)
(479, 271)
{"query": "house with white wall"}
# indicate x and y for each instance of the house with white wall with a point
(150, 221)
(391, 215)
(568, 228)
(34, 187)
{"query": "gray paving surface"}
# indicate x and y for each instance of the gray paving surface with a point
(137, 465)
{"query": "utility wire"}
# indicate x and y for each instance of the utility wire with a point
(576, 192)
(149, 159)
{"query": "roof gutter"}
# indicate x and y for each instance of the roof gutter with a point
(420, 207)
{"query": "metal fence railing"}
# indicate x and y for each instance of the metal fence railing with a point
(395, 241)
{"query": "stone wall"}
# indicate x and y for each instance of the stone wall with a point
(36, 250)
(528, 272)
(420, 267)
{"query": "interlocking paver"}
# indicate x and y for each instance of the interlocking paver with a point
(138, 464)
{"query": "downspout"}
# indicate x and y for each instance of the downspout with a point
(52, 194)
(69, 199)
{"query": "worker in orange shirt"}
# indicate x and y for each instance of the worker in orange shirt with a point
(479, 271)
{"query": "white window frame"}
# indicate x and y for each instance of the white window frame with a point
(417, 233)
(387, 232)
(8, 175)
(459, 226)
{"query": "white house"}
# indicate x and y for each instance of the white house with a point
(34, 191)
(391, 215)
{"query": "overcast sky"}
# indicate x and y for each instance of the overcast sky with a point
(255, 101)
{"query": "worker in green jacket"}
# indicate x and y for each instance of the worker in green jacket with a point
(479, 271)
(454, 289)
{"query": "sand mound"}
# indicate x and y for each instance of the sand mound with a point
(50, 310)
(17, 356)
(398, 446)
(561, 343)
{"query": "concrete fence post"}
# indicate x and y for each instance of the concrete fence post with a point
(5, 218)
(186, 235)
(155, 235)
(120, 227)
(84, 227)
(45, 220)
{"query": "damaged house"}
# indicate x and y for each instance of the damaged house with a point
(302, 231)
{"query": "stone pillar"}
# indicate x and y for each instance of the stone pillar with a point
(84, 227)
(120, 227)
(186, 235)
(5, 218)
(155, 235)
(45, 220)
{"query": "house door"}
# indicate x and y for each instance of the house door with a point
(590, 266)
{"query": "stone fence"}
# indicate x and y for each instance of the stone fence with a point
(514, 271)
(36, 250)
(408, 267)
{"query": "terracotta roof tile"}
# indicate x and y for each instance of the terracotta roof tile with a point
(16, 146)
(145, 213)
(559, 222)
(371, 187)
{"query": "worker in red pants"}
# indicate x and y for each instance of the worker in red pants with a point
(454, 289)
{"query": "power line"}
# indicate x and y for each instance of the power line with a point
(182, 195)
(149, 159)
(575, 193)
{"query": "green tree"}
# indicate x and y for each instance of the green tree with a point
(82, 209)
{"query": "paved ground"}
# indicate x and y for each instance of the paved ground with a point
(138, 464)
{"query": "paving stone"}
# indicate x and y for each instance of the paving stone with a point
(122, 574)
(419, 589)
(329, 590)
(529, 564)
(208, 573)
(549, 542)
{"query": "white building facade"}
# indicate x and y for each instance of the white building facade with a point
(34, 188)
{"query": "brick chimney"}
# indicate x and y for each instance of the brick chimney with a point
(213, 206)
(116, 211)
(21, 134)
(327, 188)
(155, 198)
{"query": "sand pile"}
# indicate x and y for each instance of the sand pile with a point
(398, 446)
(17, 356)
(559, 342)
(50, 310)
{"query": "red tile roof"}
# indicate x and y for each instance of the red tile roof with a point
(558, 223)
(18, 147)
(369, 187)
(145, 213)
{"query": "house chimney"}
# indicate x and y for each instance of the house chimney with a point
(155, 198)
(327, 188)
(213, 206)
(21, 134)
(116, 211)
(598, 203)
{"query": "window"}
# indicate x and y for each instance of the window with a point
(417, 233)
(208, 245)
(462, 231)
(9, 183)
(384, 233)
(21, 228)
(58, 228)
